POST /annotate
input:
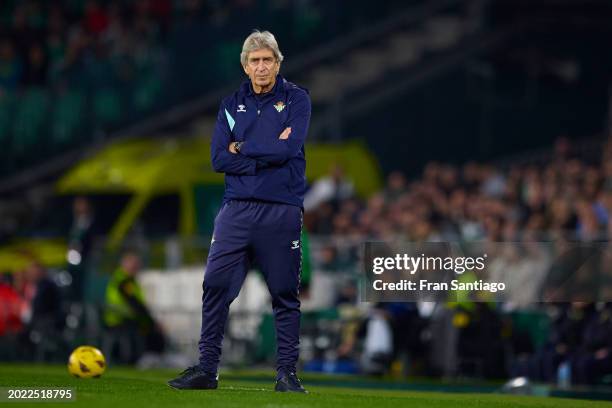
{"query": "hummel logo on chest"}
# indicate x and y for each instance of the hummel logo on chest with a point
(241, 108)
(295, 244)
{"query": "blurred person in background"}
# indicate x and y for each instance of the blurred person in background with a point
(131, 326)
(564, 340)
(333, 189)
(11, 69)
(96, 18)
(370, 340)
(396, 186)
(10, 307)
(46, 298)
(10, 318)
(42, 312)
(480, 342)
(80, 239)
(593, 358)
(36, 68)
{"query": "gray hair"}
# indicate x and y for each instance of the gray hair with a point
(257, 41)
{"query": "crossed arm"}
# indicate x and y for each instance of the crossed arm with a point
(222, 160)
(253, 154)
(289, 142)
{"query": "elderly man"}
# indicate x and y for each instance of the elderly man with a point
(258, 143)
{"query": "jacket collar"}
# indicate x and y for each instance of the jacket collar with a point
(278, 86)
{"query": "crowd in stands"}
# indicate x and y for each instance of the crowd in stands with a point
(74, 71)
(44, 43)
(565, 198)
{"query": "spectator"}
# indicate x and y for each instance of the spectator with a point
(80, 239)
(46, 300)
(95, 19)
(10, 309)
(10, 67)
(35, 73)
(396, 186)
(563, 342)
(593, 359)
(42, 313)
(333, 188)
(131, 325)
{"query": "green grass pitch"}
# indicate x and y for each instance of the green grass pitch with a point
(125, 387)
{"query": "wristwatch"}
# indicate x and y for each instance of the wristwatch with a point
(237, 146)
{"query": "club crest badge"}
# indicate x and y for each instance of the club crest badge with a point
(280, 105)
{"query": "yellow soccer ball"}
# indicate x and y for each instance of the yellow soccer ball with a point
(86, 362)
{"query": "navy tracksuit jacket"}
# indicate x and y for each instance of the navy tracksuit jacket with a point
(260, 221)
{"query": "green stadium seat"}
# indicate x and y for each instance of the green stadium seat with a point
(6, 115)
(225, 54)
(30, 115)
(67, 117)
(106, 107)
(146, 92)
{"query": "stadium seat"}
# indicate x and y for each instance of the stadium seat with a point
(225, 55)
(107, 107)
(67, 117)
(30, 115)
(6, 114)
(146, 92)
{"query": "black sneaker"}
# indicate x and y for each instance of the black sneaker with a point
(289, 382)
(194, 378)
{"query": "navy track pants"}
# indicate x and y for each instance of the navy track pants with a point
(246, 234)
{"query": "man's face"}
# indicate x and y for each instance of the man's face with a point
(262, 67)
(34, 272)
(131, 264)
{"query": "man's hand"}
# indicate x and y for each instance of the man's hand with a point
(282, 136)
(232, 148)
(285, 134)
